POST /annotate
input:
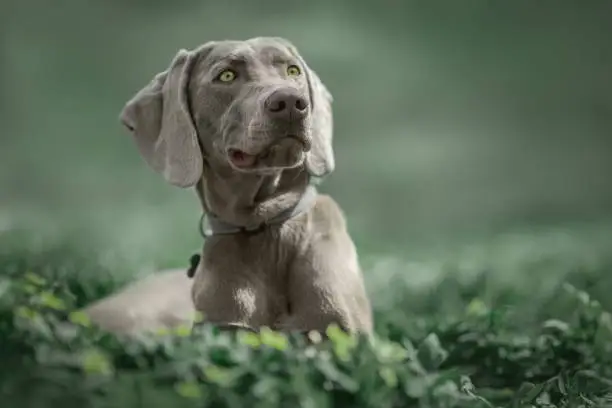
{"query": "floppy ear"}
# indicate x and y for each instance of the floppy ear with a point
(160, 121)
(320, 160)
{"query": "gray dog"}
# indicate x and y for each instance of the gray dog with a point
(249, 125)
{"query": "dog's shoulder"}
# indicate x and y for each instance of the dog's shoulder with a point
(327, 214)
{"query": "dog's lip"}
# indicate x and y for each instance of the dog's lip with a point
(304, 141)
(240, 158)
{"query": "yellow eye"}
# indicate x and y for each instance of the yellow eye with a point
(227, 76)
(293, 70)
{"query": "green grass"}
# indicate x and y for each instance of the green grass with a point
(511, 320)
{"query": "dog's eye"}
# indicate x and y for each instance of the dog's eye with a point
(227, 75)
(293, 70)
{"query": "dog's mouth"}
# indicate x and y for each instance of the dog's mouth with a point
(243, 160)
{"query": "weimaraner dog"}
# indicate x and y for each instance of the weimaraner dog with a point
(249, 125)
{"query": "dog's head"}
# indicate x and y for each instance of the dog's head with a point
(248, 106)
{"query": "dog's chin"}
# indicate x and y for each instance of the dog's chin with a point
(286, 154)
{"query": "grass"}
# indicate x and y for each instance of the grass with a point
(514, 320)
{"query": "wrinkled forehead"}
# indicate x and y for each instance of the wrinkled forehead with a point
(267, 51)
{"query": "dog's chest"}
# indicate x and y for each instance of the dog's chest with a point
(261, 263)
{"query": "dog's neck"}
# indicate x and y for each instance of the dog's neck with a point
(249, 200)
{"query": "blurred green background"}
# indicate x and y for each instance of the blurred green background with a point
(452, 118)
(474, 162)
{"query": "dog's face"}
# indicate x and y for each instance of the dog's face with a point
(253, 105)
(252, 101)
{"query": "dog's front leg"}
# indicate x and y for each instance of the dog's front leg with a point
(325, 287)
(225, 300)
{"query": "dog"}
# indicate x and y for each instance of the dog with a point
(248, 125)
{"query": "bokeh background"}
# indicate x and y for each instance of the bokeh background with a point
(452, 118)
(474, 163)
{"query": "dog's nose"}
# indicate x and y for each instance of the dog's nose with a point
(286, 104)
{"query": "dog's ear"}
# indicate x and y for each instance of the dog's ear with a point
(159, 118)
(320, 160)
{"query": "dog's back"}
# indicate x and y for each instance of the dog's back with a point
(160, 300)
